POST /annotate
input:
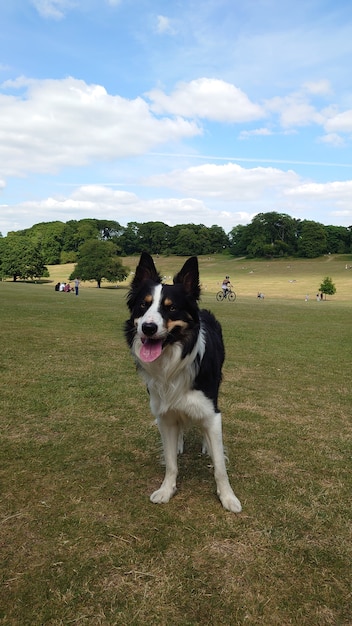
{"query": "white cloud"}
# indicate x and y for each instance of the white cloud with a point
(257, 132)
(345, 215)
(230, 181)
(340, 123)
(335, 196)
(297, 110)
(337, 191)
(294, 110)
(318, 88)
(165, 25)
(52, 9)
(299, 107)
(207, 98)
(60, 123)
(332, 139)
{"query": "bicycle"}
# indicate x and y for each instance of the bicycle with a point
(229, 294)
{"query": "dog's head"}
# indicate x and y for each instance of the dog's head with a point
(162, 314)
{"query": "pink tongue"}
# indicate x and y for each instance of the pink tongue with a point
(150, 350)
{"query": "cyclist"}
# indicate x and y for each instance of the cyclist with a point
(226, 285)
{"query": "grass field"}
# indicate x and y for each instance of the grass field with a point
(80, 543)
(276, 278)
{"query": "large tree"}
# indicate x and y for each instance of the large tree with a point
(97, 260)
(312, 239)
(109, 230)
(271, 234)
(129, 241)
(338, 239)
(20, 258)
(48, 237)
(189, 241)
(239, 240)
(218, 239)
(154, 237)
(87, 229)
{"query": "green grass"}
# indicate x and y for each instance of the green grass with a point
(80, 543)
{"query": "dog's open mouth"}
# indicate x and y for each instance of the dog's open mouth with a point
(150, 350)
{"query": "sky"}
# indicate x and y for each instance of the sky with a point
(180, 111)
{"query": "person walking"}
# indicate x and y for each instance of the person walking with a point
(76, 286)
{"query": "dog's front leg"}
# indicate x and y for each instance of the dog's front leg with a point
(213, 438)
(169, 431)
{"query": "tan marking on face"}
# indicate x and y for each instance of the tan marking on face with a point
(148, 298)
(174, 323)
(168, 302)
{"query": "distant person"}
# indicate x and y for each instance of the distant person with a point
(76, 286)
(226, 285)
(57, 287)
(62, 287)
(67, 288)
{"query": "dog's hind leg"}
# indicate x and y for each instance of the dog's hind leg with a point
(213, 437)
(170, 436)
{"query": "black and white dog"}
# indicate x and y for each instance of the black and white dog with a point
(179, 352)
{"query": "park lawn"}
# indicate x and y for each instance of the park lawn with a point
(81, 543)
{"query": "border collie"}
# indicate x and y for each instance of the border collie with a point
(179, 353)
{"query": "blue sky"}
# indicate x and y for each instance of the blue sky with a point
(202, 111)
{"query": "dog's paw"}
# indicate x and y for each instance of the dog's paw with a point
(162, 495)
(230, 502)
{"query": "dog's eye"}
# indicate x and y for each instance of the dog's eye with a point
(146, 302)
(169, 305)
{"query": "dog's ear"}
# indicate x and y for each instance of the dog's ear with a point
(188, 276)
(146, 270)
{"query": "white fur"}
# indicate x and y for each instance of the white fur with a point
(174, 404)
(153, 315)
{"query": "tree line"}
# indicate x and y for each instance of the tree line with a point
(277, 234)
(26, 253)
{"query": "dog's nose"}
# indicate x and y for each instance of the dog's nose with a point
(149, 328)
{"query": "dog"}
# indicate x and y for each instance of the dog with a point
(179, 352)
